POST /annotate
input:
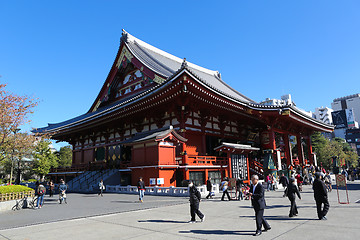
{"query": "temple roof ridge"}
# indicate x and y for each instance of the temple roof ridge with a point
(130, 38)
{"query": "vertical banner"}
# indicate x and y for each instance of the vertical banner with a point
(239, 166)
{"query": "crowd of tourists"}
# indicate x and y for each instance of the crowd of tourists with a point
(40, 191)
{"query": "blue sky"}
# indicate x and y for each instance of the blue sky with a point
(61, 52)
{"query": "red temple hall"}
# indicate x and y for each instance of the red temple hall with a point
(161, 117)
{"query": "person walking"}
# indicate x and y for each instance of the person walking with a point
(51, 188)
(290, 193)
(299, 180)
(41, 190)
(327, 180)
(321, 196)
(101, 188)
(284, 181)
(195, 198)
(257, 195)
(224, 187)
(239, 184)
(62, 192)
(141, 189)
(269, 182)
(209, 188)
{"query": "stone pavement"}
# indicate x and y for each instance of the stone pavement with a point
(167, 218)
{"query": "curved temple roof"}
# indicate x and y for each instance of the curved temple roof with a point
(168, 66)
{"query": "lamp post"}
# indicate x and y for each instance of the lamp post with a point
(15, 131)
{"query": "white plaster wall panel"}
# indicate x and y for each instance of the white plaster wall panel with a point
(196, 122)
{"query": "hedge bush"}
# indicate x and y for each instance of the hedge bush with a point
(14, 189)
(30, 180)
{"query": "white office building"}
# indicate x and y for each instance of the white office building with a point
(323, 114)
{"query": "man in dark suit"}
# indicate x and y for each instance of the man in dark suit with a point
(291, 190)
(258, 203)
(321, 196)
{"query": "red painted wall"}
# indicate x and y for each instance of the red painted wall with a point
(194, 144)
(167, 155)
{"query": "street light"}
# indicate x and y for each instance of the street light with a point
(15, 131)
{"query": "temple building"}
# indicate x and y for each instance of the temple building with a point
(164, 118)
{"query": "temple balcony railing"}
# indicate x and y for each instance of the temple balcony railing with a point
(202, 160)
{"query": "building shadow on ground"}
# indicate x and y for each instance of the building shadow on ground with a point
(162, 221)
(281, 218)
(219, 232)
(119, 201)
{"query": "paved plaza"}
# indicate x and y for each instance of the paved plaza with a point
(121, 216)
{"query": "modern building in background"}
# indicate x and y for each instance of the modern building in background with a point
(353, 138)
(346, 112)
(323, 114)
(348, 102)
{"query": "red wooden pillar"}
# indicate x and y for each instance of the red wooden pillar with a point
(229, 170)
(206, 174)
(310, 152)
(288, 154)
(300, 150)
(187, 175)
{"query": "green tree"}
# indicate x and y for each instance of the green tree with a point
(325, 149)
(64, 156)
(44, 158)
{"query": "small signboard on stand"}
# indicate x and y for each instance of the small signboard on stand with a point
(152, 181)
(341, 182)
(160, 181)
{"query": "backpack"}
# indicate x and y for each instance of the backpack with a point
(41, 192)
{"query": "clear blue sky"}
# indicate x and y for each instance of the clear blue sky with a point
(62, 51)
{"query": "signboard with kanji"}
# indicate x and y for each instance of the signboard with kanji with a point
(239, 166)
(340, 180)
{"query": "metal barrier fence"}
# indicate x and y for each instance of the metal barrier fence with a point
(160, 191)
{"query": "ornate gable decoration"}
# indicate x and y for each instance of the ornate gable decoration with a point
(124, 53)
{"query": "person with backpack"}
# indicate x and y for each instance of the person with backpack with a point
(224, 187)
(62, 192)
(40, 190)
(195, 198)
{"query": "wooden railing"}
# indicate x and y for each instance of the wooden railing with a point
(205, 160)
(17, 195)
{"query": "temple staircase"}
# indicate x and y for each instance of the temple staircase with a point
(257, 168)
(88, 181)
